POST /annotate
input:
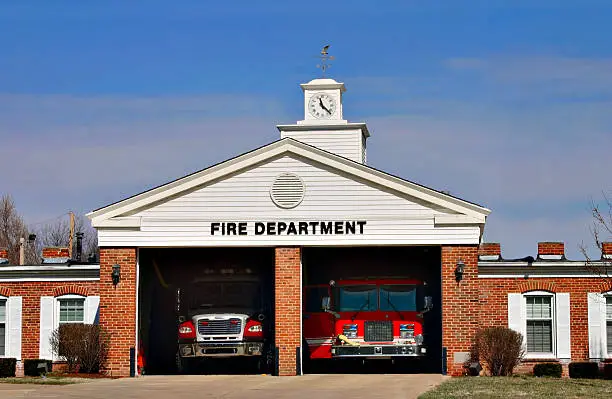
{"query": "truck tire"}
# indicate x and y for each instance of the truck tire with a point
(183, 365)
(306, 361)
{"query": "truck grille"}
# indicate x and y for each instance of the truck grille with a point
(219, 327)
(378, 331)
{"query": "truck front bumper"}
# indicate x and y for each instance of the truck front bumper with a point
(211, 349)
(378, 351)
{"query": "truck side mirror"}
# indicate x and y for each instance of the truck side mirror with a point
(325, 302)
(428, 302)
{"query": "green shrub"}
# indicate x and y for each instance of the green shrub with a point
(7, 367)
(583, 370)
(499, 348)
(30, 366)
(607, 371)
(547, 370)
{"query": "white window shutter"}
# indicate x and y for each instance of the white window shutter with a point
(517, 314)
(92, 304)
(14, 307)
(563, 326)
(597, 324)
(47, 314)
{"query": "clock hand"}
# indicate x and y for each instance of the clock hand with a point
(323, 106)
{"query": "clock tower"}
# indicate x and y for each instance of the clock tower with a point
(324, 126)
(322, 101)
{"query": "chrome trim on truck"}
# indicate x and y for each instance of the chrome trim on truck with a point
(378, 351)
(221, 349)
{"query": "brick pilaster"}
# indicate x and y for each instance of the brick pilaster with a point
(118, 307)
(460, 307)
(287, 267)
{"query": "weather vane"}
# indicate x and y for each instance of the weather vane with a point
(325, 58)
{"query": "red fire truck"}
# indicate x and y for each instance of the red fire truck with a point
(365, 318)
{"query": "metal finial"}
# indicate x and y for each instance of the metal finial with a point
(325, 58)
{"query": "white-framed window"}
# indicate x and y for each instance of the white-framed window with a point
(540, 324)
(10, 326)
(3, 325)
(64, 309)
(543, 318)
(69, 309)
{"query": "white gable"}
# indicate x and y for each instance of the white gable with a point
(331, 195)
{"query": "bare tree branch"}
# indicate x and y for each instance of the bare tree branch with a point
(601, 231)
(12, 229)
(57, 234)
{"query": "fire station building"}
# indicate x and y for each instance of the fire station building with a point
(301, 211)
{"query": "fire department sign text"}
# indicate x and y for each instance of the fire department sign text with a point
(287, 228)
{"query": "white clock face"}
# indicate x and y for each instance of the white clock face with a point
(322, 106)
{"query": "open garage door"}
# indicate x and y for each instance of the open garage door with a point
(372, 309)
(206, 310)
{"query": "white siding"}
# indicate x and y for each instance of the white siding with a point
(346, 143)
(391, 219)
(364, 158)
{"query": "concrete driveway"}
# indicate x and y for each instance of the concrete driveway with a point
(234, 386)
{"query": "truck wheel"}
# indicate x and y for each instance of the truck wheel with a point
(306, 362)
(183, 365)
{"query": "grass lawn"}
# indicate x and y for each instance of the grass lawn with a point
(520, 387)
(43, 381)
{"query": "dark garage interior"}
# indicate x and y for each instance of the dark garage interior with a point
(423, 262)
(171, 278)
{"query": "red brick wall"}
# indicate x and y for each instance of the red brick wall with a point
(31, 293)
(494, 304)
(606, 248)
(489, 248)
(551, 248)
(118, 307)
(287, 307)
(459, 302)
(55, 252)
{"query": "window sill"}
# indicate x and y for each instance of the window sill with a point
(532, 357)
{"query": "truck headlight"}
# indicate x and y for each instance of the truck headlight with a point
(255, 328)
(419, 339)
(350, 330)
(406, 331)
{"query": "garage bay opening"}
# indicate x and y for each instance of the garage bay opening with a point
(206, 310)
(372, 309)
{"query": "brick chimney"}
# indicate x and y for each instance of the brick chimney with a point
(3, 256)
(606, 250)
(55, 255)
(551, 250)
(489, 251)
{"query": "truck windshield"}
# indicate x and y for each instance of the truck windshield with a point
(226, 295)
(398, 298)
(353, 298)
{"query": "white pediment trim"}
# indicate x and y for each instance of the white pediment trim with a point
(110, 216)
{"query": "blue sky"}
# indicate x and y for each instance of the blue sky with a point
(504, 103)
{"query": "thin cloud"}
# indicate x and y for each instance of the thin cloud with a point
(79, 153)
(564, 75)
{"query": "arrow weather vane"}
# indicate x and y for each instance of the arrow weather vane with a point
(325, 58)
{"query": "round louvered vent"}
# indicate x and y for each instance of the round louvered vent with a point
(287, 191)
